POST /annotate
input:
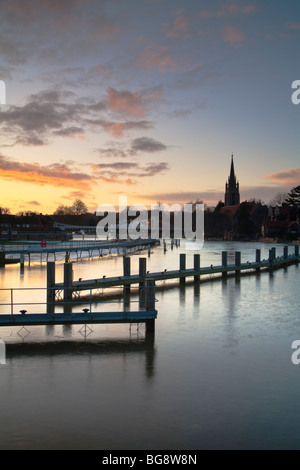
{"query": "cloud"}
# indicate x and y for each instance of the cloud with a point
(291, 177)
(183, 197)
(114, 172)
(234, 8)
(139, 145)
(117, 129)
(32, 203)
(233, 35)
(157, 57)
(148, 145)
(52, 114)
(293, 25)
(112, 153)
(178, 28)
(125, 102)
(55, 174)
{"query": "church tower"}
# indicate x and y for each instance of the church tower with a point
(232, 188)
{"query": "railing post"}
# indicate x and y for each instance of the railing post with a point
(126, 273)
(12, 302)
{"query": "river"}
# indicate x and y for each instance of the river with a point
(217, 374)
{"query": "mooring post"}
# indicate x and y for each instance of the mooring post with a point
(197, 267)
(126, 273)
(224, 263)
(142, 275)
(22, 262)
(237, 262)
(182, 267)
(274, 253)
(50, 286)
(271, 259)
(297, 251)
(68, 281)
(285, 252)
(2, 259)
(258, 259)
(150, 304)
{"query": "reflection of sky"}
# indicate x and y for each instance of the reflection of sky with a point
(146, 99)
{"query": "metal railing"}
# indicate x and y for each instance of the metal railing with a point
(20, 301)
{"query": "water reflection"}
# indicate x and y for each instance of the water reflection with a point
(143, 346)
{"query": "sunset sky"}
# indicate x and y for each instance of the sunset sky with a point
(147, 98)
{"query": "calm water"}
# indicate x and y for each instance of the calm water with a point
(217, 374)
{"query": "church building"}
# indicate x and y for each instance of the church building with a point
(232, 188)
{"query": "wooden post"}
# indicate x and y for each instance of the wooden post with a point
(224, 262)
(286, 252)
(274, 253)
(126, 273)
(271, 259)
(258, 259)
(68, 281)
(197, 267)
(142, 274)
(182, 267)
(297, 251)
(22, 262)
(50, 286)
(2, 259)
(150, 304)
(238, 262)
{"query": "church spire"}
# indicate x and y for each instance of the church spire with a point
(232, 190)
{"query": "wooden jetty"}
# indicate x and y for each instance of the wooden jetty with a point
(92, 248)
(145, 281)
(71, 288)
(145, 313)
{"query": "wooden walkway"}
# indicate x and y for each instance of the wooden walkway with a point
(127, 279)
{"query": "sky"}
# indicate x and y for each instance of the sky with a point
(147, 99)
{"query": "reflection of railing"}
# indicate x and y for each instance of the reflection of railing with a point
(24, 310)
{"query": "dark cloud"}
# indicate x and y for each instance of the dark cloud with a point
(146, 144)
(51, 113)
(114, 171)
